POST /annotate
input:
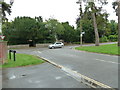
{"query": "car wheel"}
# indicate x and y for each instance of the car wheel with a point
(53, 47)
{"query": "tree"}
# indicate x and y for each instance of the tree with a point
(70, 35)
(114, 27)
(21, 30)
(116, 6)
(79, 20)
(119, 23)
(55, 28)
(95, 11)
(100, 21)
(5, 8)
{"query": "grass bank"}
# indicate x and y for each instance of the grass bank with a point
(105, 49)
(23, 60)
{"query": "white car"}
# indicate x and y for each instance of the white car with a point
(56, 45)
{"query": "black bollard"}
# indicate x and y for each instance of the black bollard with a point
(14, 55)
(9, 54)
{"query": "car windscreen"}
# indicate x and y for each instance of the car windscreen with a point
(58, 43)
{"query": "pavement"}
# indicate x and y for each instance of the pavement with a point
(100, 67)
(39, 76)
(0, 79)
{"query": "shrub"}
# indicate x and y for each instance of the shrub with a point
(76, 43)
(104, 39)
(113, 38)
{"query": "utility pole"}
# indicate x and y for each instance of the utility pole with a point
(81, 14)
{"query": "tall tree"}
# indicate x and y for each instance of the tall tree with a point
(119, 23)
(79, 20)
(4, 7)
(94, 12)
(116, 6)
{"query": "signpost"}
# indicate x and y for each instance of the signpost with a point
(81, 35)
(2, 37)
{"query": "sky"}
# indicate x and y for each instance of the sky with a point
(62, 10)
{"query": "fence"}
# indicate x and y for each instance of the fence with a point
(27, 46)
(3, 52)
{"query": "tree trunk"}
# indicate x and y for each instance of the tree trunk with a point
(0, 18)
(80, 33)
(95, 30)
(56, 37)
(119, 23)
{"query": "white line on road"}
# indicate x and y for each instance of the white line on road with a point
(12, 77)
(107, 61)
(39, 52)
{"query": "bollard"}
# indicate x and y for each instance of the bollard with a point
(13, 54)
(9, 54)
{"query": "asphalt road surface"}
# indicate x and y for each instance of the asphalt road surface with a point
(100, 67)
(38, 76)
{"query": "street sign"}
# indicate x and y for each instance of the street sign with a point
(83, 33)
(2, 37)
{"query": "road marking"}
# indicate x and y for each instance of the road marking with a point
(84, 79)
(57, 78)
(34, 81)
(107, 61)
(12, 77)
(39, 52)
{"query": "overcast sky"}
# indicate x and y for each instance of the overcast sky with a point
(63, 10)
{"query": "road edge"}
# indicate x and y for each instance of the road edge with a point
(81, 78)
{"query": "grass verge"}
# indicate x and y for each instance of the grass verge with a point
(22, 60)
(105, 49)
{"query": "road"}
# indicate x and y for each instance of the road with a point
(100, 67)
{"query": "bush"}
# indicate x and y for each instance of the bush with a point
(76, 43)
(104, 39)
(113, 38)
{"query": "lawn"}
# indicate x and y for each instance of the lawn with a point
(22, 60)
(106, 49)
